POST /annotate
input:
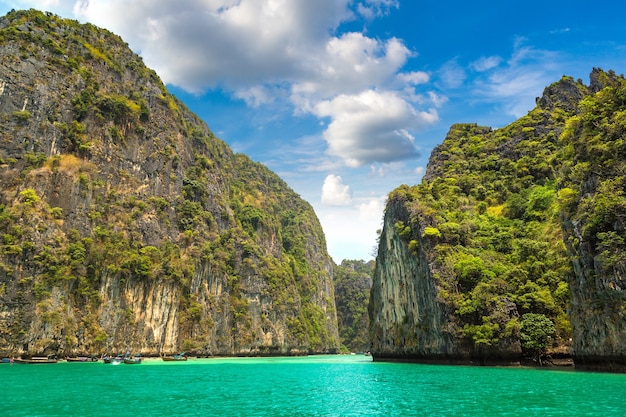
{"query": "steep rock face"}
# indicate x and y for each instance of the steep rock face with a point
(508, 227)
(598, 307)
(127, 224)
(595, 226)
(409, 317)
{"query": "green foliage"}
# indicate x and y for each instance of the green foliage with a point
(83, 102)
(118, 108)
(22, 116)
(431, 232)
(29, 197)
(74, 135)
(404, 231)
(536, 333)
(250, 218)
(352, 281)
(482, 334)
(470, 270)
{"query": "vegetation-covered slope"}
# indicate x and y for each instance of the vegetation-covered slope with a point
(511, 229)
(126, 224)
(353, 281)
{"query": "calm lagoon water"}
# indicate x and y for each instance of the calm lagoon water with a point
(306, 386)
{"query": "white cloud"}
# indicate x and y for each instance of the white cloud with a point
(264, 51)
(372, 127)
(414, 78)
(350, 64)
(452, 74)
(388, 169)
(347, 235)
(486, 63)
(517, 83)
(351, 231)
(370, 9)
(372, 211)
(257, 95)
(225, 43)
(335, 192)
(437, 99)
(559, 31)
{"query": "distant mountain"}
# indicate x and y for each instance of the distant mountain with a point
(126, 224)
(513, 246)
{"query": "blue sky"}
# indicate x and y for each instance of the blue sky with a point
(345, 99)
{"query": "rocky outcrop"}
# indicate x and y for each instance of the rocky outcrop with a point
(509, 226)
(127, 225)
(598, 307)
(409, 319)
(595, 228)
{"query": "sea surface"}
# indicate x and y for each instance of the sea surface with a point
(346, 385)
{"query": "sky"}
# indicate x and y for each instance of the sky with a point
(346, 99)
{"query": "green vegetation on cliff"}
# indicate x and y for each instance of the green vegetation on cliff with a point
(126, 223)
(491, 217)
(353, 281)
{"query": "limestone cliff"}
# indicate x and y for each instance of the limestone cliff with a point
(126, 224)
(408, 318)
(510, 228)
(593, 189)
(411, 315)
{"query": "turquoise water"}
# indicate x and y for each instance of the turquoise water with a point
(311, 386)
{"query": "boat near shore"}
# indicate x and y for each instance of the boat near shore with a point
(36, 360)
(135, 360)
(113, 360)
(179, 357)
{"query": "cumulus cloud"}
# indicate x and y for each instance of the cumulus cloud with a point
(349, 64)
(335, 192)
(372, 127)
(220, 43)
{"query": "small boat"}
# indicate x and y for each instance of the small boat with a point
(113, 360)
(36, 360)
(132, 360)
(175, 358)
